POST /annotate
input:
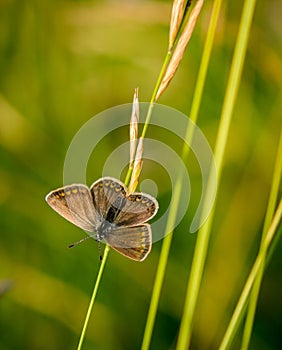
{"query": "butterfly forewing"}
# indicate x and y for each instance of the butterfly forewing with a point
(108, 209)
(75, 204)
(115, 205)
(134, 242)
(108, 197)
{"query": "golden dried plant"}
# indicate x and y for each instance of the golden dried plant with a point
(180, 48)
(137, 166)
(178, 12)
(133, 129)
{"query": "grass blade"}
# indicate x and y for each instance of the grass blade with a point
(92, 300)
(204, 232)
(259, 263)
(269, 215)
(176, 195)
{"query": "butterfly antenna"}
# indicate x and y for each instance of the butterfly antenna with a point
(80, 241)
(100, 250)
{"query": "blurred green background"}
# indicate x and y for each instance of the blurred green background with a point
(62, 62)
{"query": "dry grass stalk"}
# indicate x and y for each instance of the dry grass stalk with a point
(137, 166)
(133, 130)
(179, 8)
(180, 48)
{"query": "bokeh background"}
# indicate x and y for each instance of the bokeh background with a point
(62, 62)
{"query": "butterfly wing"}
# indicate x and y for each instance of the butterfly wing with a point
(133, 242)
(116, 206)
(108, 196)
(138, 208)
(75, 204)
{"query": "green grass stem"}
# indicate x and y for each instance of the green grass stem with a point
(153, 98)
(92, 300)
(269, 215)
(128, 176)
(225, 121)
(161, 270)
(177, 193)
(127, 180)
(258, 264)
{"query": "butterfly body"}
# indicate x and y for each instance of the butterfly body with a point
(107, 209)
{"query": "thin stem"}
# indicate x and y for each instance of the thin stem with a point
(177, 192)
(159, 80)
(153, 98)
(128, 175)
(160, 271)
(127, 179)
(259, 262)
(269, 215)
(96, 286)
(204, 232)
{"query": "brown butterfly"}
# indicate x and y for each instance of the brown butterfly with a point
(109, 211)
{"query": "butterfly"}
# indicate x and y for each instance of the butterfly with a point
(107, 209)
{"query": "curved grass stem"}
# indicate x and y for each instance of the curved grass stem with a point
(258, 264)
(127, 180)
(177, 192)
(269, 215)
(92, 300)
(200, 254)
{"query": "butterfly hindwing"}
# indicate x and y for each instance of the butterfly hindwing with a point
(138, 208)
(75, 204)
(107, 209)
(134, 242)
